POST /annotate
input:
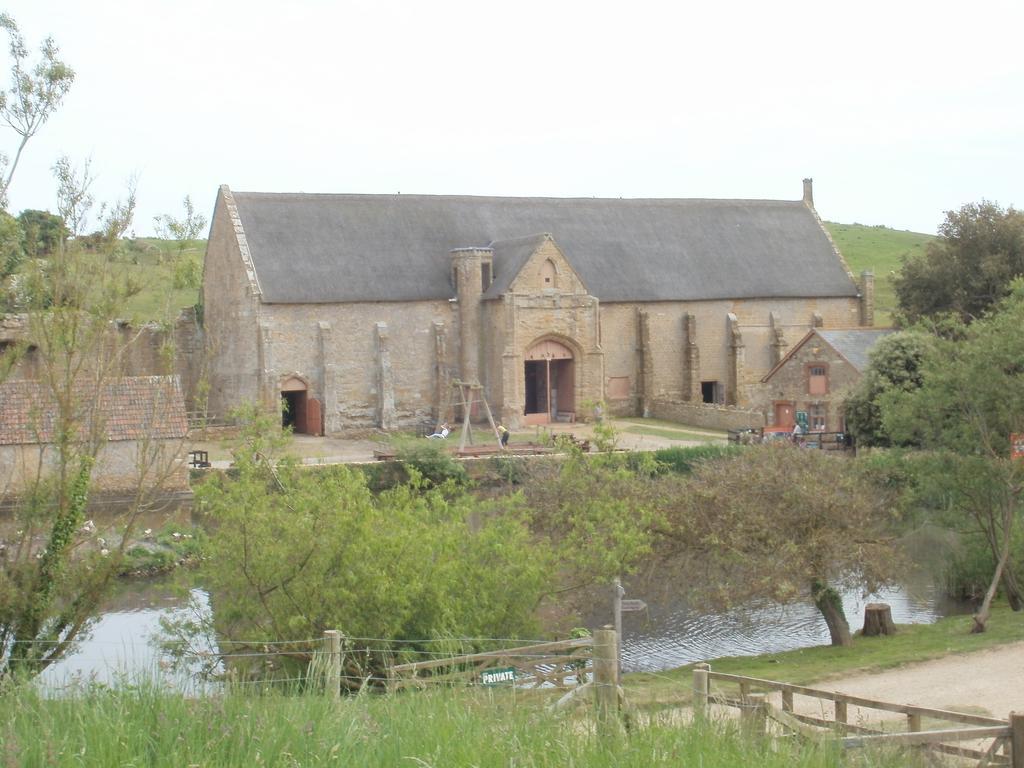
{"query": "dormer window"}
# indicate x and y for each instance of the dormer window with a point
(547, 274)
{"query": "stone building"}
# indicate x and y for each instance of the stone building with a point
(815, 376)
(139, 421)
(358, 311)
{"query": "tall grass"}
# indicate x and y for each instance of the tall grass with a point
(146, 726)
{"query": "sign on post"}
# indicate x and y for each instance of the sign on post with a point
(634, 605)
(1017, 445)
(498, 676)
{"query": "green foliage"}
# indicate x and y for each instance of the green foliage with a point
(430, 460)
(12, 250)
(44, 233)
(969, 269)
(188, 272)
(146, 726)
(299, 551)
(56, 567)
(189, 227)
(971, 393)
(895, 366)
(597, 511)
(970, 401)
(777, 522)
(682, 460)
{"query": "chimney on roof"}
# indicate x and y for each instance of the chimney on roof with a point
(809, 193)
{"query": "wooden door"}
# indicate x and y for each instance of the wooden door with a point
(785, 414)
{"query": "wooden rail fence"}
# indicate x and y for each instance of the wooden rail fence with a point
(1006, 747)
(535, 666)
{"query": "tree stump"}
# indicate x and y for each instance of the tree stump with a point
(878, 620)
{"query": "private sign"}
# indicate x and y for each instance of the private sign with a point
(497, 676)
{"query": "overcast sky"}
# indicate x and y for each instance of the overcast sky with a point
(899, 110)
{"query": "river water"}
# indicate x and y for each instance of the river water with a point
(123, 643)
(670, 633)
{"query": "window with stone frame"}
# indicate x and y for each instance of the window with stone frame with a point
(817, 379)
(817, 417)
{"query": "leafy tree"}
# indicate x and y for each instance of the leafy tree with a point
(188, 270)
(298, 552)
(44, 232)
(34, 95)
(969, 268)
(75, 199)
(12, 248)
(895, 364)
(597, 512)
(55, 568)
(182, 230)
(970, 401)
(778, 523)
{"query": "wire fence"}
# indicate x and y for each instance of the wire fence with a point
(215, 665)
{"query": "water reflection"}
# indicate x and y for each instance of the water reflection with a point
(121, 646)
(672, 634)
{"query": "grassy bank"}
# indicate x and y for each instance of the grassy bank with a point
(447, 728)
(881, 250)
(912, 643)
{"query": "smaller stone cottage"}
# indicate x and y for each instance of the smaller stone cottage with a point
(141, 420)
(815, 377)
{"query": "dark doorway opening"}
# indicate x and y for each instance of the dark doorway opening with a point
(550, 383)
(536, 386)
(293, 411)
(709, 392)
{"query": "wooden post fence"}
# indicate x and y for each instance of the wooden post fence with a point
(606, 674)
(700, 690)
(332, 650)
(754, 715)
(1005, 748)
(1017, 739)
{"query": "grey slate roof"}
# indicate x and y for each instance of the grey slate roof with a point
(854, 344)
(311, 248)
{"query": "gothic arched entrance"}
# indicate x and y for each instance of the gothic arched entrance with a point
(549, 371)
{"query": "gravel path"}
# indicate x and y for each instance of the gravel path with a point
(989, 682)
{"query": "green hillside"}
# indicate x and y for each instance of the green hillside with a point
(881, 250)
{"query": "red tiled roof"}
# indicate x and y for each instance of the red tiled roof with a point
(130, 409)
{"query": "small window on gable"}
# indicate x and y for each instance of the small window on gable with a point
(548, 274)
(817, 380)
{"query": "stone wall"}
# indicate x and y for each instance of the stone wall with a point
(149, 350)
(660, 364)
(116, 470)
(231, 313)
(371, 364)
(706, 416)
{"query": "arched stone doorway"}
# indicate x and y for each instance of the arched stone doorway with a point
(550, 383)
(299, 411)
